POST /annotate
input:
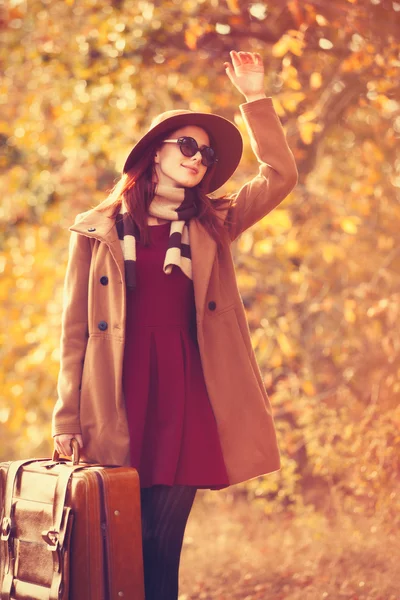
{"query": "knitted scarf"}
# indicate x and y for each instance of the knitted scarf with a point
(175, 204)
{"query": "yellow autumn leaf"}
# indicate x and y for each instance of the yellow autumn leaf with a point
(307, 131)
(222, 100)
(290, 76)
(292, 247)
(285, 344)
(374, 176)
(245, 242)
(290, 100)
(374, 148)
(246, 280)
(283, 323)
(376, 330)
(281, 47)
(329, 253)
(233, 6)
(349, 224)
(275, 359)
(203, 81)
(348, 431)
(321, 20)
(296, 46)
(315, 80)
(308, 388)
(262, 247)
(278, 220)
(297, 278)
(349, 313)
(308, 115)
(191, 36)
(280, 111)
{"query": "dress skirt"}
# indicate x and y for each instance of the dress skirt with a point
(173, 432)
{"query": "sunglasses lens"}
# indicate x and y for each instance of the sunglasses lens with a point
(189, 147)
(208, 155)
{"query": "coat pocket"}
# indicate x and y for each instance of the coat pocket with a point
(228, 337)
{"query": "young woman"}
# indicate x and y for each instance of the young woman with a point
(157, 369)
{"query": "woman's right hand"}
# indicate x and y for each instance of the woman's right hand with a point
(62, 443)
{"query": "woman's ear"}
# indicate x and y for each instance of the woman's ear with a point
(157, 157)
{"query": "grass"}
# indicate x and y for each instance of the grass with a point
(232, 550)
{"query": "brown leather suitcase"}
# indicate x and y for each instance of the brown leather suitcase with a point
(70, 531)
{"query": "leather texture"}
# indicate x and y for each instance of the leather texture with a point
(70, 531)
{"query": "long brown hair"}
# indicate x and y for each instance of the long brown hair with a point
(138, 189)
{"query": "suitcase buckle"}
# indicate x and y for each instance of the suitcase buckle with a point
(51, 539)
(5, 528)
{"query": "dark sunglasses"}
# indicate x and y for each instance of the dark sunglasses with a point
(188, 146)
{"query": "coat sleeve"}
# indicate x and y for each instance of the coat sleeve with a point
(74, 336)
(277, 174)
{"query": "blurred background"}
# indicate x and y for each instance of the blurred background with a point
(319, 276)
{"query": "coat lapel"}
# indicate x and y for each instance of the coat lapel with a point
(202, 246)
(98, 225)
(203, 249)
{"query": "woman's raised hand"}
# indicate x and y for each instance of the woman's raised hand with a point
(62, 443)
(247, 74)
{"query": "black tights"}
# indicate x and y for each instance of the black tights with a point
(165, 511)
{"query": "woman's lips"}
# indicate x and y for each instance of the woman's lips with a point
(191, 169)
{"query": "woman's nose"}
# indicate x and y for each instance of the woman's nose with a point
(197, 157)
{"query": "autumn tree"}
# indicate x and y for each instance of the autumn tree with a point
(319, 275)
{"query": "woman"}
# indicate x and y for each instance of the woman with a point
(157, 368)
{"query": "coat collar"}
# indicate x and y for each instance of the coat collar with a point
(98, 225)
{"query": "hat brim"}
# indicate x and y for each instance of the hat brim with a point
(225, 139)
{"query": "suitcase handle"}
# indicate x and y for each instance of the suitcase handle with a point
(75, 452)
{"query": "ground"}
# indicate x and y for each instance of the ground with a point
(232, 550)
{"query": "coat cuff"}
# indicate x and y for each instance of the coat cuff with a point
(256, 105)
(64, 429)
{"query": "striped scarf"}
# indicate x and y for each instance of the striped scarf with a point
(178, 205)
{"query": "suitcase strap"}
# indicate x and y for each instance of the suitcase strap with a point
(11, 477)
(54, 537)
(6, 523)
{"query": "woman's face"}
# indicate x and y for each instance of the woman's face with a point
(175, 169)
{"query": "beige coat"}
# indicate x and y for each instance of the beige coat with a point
(90, 394)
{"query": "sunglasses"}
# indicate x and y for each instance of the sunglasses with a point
(188, 146)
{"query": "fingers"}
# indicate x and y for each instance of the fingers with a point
(229, 70)
(65, 448)
(62, 443)
(62, 448)
(242, 58)
(246, 57)
(79, 440)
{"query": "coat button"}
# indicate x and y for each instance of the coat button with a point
(104, 280)
(92, 229)
(212, 305)
(102, 325)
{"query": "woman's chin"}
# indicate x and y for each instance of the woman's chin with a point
(186, 183)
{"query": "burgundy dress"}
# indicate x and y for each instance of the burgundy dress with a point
(173, 432)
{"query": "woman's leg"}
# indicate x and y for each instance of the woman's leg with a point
(165, 511)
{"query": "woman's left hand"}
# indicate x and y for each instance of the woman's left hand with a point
(247, 73)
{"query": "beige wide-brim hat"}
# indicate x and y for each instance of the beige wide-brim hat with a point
(225, 139)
